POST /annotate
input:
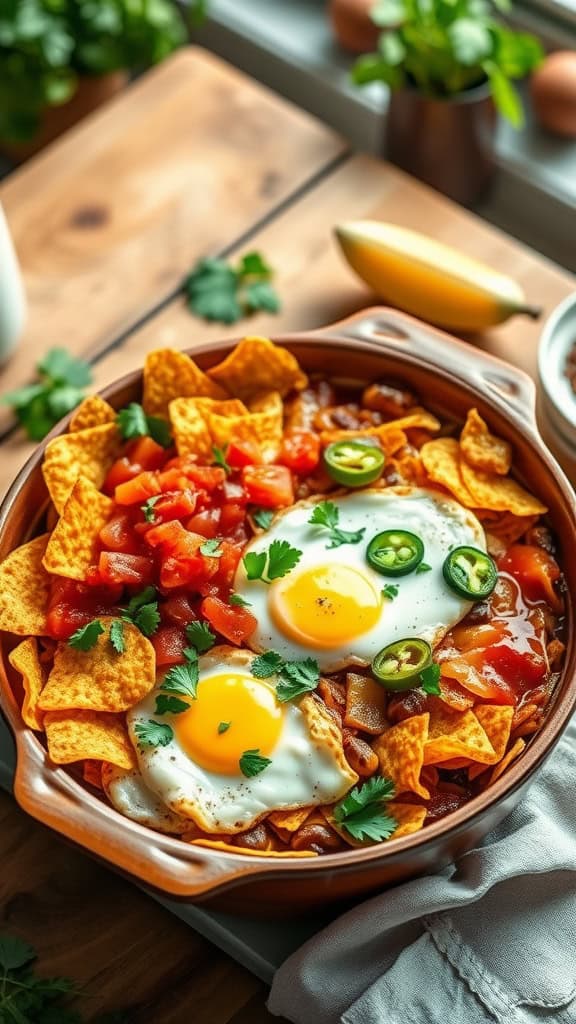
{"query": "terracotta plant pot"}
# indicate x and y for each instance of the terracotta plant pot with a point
(91, 93)
(454, 376)
(353, 26)
(448, 143)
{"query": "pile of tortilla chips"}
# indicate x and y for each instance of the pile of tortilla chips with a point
(78, 698)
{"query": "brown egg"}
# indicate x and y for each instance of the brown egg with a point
(352, 25)
(553, 89)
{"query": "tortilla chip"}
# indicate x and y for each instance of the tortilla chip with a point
(365, 704)
(509, 528)
(483, 450)
(285, 823)
(169, 374)
(455, 734)
(92, 412)
(415, 418)
(100, 679)
(410, 817)
(25, 589)
(257, 365)
(441, 460)
(261, 424)
(190, 420)
(401, 754)
(500, 493)
(92, 773)
(25, 660)
(218, 844)
(88, 453)
(73, 546)
(506, 761)
(87, 735)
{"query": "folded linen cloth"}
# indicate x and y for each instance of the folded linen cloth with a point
(493, 938)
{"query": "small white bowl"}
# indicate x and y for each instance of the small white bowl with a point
(557, 399)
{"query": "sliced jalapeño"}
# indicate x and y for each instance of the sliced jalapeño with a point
(395, 552)
(353, 463)
(470, 573)
(398, 666)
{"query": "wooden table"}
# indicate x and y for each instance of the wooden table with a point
(194, 159)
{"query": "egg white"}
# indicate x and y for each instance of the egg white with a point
(129, 794)
(308, 764)
(424, 607)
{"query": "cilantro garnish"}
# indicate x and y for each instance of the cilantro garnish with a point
(424, 567)
(117, 636)
(430, 680)
(270, 565)
(142, 611)
(223, 727)
(218, 291)
(238, 600)
(25, 998)
(148, 508)
(220, 459)
(183, 679)
(133, 422)
(153, 734)
(263, 517)
(252, 763)
(38, 407)
(211, 547)
(294, 677)
(390, 591)
(200, 636)
(363, 811)
(327, 514)
(167, 705)
(85, 638)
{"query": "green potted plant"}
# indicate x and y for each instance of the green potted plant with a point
(59, 59)
(450, 66)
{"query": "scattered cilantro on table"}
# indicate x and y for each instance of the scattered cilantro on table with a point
(38, 407)
(272, 564)
(216, 290)
(327, 514)
(133, 422)
(363, 811)
(294, 677)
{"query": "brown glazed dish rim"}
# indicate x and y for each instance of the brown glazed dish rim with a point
(165, 863)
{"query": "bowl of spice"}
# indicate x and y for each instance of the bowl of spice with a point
(557, 374)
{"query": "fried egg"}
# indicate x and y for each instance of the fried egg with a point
(333, 606)
(129, 794)
(197, 773)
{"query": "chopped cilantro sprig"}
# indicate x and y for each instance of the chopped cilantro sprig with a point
(253, 763)
(38, 407)
(363, 811)
(133, 422)
(294, 677)
(218, 291)
(327, 514)
(272, 564)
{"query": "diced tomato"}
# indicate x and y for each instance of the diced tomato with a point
(173, 480)
(138, 490)
(207, 522)
(536, 572)
(300, 451)
(73, 605)
(234, 493)
(121, 471)
(191, 571)
(521, 669)
(471, 636)
(118, 534)
(228, 563)
(175, 505)
(169, 643)
(146, 453)
(469, 670)
(207, 477)
(177, 610)
(268, 486)
(234, 623)
(131, 570)
(243, 453)
(231, 516)
(174, 539)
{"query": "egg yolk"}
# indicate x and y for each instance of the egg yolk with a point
(325, 606)
(249, 706)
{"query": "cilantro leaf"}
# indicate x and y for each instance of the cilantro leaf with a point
(424, 567)
(241, 602)
(117, 636)
(63, 368)
(296, 678)
(326, 514)
(133, 422)
(255, 564)
(14, 952)
(167, 705)
(145, 596)
(267, 664)
(153, 734)
(217, 291)
(223, 727)
(147, 619)
(85, 637)
(390, 591)
(212, 547)
(148, 508)
(252, 763)
(38, 407)
(263, 517)
(182, 679)
(220, 459)
(363, 813)
(261, 295)
(200, 636)
(254, 263)
(272, 564)
(62, 399)
(430, 680)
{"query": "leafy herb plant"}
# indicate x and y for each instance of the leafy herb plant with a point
(218, 291)
(443, 47)
(38, 407)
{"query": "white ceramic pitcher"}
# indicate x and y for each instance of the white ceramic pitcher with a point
(12, 299)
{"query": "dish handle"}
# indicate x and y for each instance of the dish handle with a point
(401, 334)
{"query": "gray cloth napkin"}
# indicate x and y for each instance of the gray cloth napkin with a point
(493, 938)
